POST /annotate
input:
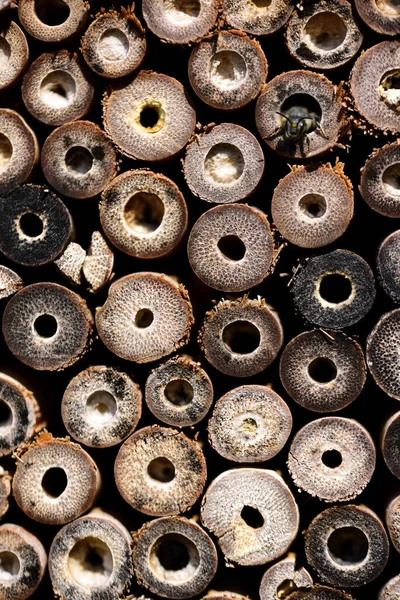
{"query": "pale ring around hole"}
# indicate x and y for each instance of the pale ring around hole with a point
(227, 70)
(90, 562)
(174, 558)
(100, 408)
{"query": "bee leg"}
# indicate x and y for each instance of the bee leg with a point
(308, 144)
(319, 128)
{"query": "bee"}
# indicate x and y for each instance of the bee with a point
(298, 123)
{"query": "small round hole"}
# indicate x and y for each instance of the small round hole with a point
(249, 427)
(241, 337)
(224, 164)
(172, 552)
(322, 369)
(252, 517)
(285, 588)
(325, 31)
(161, 469)
(143, 213)
(78, 160)
(54, 482)
(144, 318)
(113, 45)
(179, 392)
(391, 179)
(6, 149)
(9, 565)
(302, 101)
(227, 69)
(348, 546)
(335, 288)
(298, 107)
(52, 12)
(332, 458)
(58, 89)
(100, 407)
(313, 205)
(90, 562)
(5, 414)
(31, 225)
(232, 247)
(149, 117)
(46, 326)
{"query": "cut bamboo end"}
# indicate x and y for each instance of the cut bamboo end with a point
(390, 444)
(20, 414)
(19, 150)
(383, 345)
(347, 545)
(231, 247)
(284, 578)
(162, 317)
(114, 44)
(53, 20)
(35, 225)
(393, 522)
(159, 471)
(373, 85)
(252, 513)
(312, 206)
(323, 371)
(101, 407)
(332, 458)
(144, 214)
(241, 337)
(227, 70)
(57, 88)
(334, 290)
(388, 267)
(391, 589)
(174, 557)
(314, 96)
(383, 16)
(15, 53)
(47, 326)
(224, 164)
(23, 562)
(55, 481)
(249, 424)
(150, 118)
(90, 554)
(78, 160)
(179, 392)
(379, 184)
(325, 35)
